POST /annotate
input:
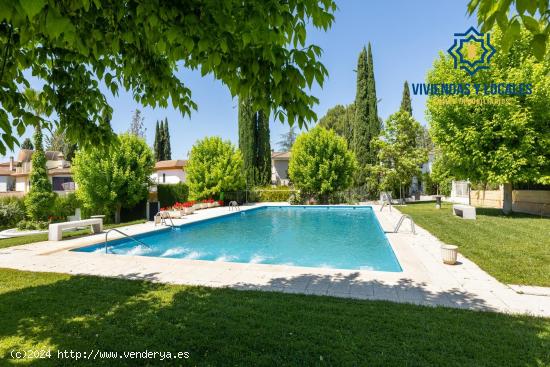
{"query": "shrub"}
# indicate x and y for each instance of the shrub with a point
(170, 194)
(65, 205)
(214, 166)
(268, 193)
(321, 164)
(31, 225)
(11, 213)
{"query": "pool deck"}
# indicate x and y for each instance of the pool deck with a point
(424, 280)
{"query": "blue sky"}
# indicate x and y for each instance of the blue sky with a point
(406, 37)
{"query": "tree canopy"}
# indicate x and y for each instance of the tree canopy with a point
(287, 139)
(214, 166)
(510, 16)
(137, 126)
(120, 177)
(340, 120)
(27, 144)
(256, 48)
(321, 164)
(495, 139)
(398, 152)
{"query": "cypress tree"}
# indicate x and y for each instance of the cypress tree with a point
(156, 145)
(40, 199)
(263, 149)
(162, 140)
(167, 148)
(374, 121)
(406, 99)
(361, 133)
(247, 139)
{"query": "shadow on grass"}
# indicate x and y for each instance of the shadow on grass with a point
(228, 327)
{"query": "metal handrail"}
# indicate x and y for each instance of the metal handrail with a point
(163, 219)
(403, 217)
(124, 234)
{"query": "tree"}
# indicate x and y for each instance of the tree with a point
(375, 125)
(254, 143)
(247, 139)
(27, 144)
(321, 164)
(398, 152)
(531, 14)
(441, 174)
(287, 139)
(495, 139)
(120, 177)
(366, 126)
(214, 166)
(264, 149)
(40, 198)
(406, 104)
(167, 148)
(136, 45)
(157, 145)
(137, 125)
(57, 141)
(340, 119)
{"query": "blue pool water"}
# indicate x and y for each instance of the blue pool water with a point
(340, 237)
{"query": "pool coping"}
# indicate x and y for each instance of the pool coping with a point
(424, 279)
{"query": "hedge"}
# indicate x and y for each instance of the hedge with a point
(278, 193)
(169, 194)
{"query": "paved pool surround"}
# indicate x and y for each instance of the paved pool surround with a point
(424, 279)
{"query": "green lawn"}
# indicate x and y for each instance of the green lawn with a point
(514, 249)
(246, 328)
(16, 241)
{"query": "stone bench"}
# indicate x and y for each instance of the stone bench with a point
(464, 211)
(55, 231)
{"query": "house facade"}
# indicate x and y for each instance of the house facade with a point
(15, 174)
(279, 168)
(169, 172)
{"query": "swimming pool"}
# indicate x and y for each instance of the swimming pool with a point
(340, 237)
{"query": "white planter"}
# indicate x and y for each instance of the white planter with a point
(215, 204)
(449, 254)
(196, 206)
(175, 213)
(210, 205)
(190, 210)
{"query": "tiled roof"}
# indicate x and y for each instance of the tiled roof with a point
(174, 163)
(280, 155)
(26, 154)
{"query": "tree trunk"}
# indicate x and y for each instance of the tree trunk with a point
(117, 213)
(507, 198)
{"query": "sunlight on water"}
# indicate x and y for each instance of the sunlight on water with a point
(336, 237)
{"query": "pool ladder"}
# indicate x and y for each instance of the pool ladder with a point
(124, 234)
(163, 216)
(400, 222)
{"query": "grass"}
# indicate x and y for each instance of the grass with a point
(248, 328)
(16, 241)
(514, 249)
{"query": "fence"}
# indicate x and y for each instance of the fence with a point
(523, 201)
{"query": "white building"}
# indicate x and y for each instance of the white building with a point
(14, 175)
(279, 168)
(169, 172)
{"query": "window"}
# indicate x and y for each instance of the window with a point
(57, 183)
(164, 178)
